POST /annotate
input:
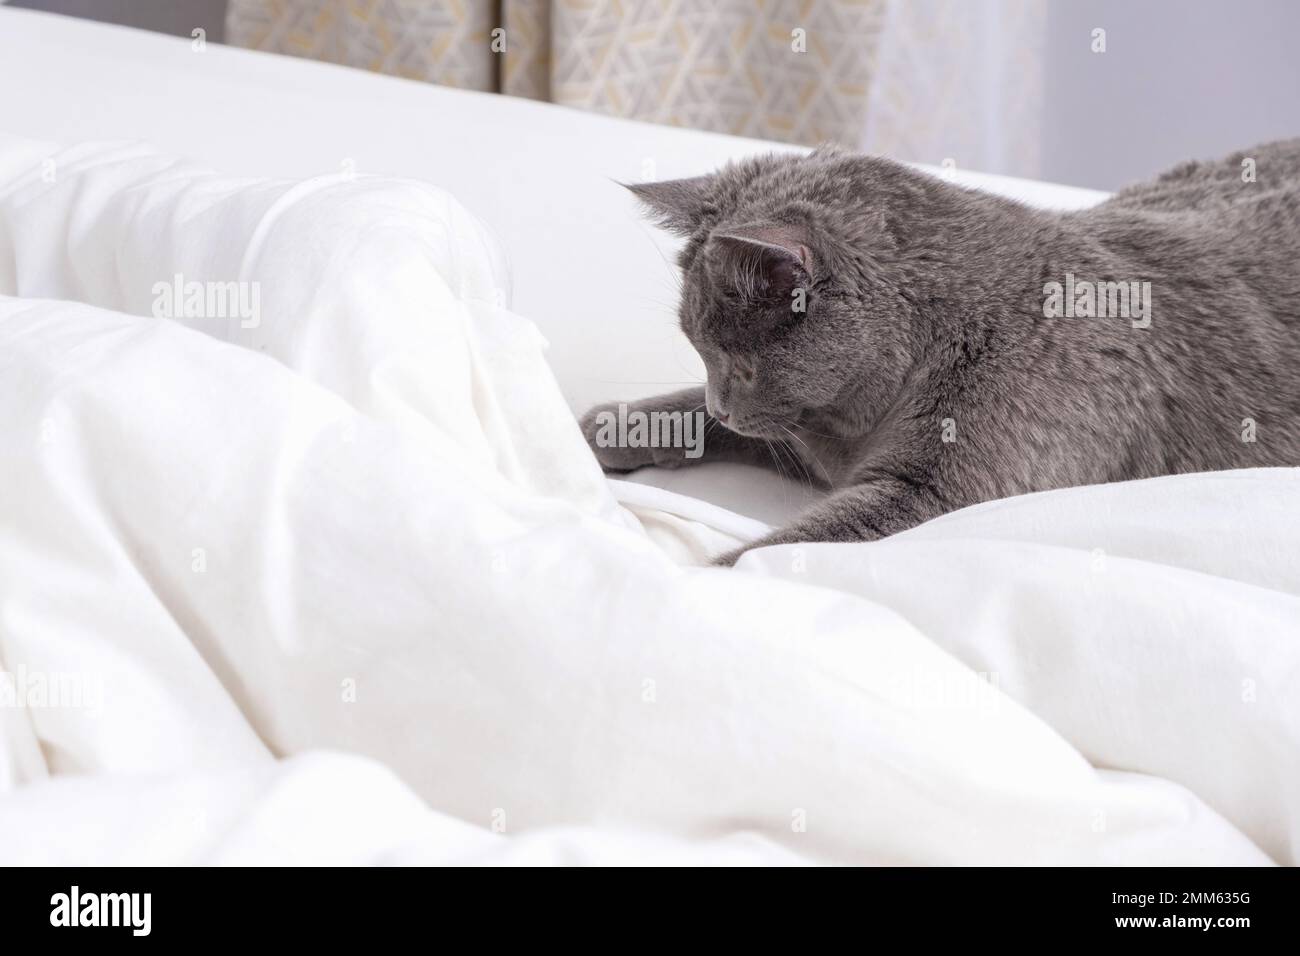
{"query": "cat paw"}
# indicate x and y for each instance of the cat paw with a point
(613, 458)
(728, 559)
(616, 458)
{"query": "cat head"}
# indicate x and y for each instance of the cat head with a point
(789, 292)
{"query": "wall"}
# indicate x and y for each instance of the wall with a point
(1180, 79)
(177, 17)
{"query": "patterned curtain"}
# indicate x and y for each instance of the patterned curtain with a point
(927, 80)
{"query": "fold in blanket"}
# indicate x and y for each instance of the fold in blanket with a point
(363, 520)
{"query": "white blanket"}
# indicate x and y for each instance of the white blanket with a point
(363, 520)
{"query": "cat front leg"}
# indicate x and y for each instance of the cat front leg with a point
(865, 512)
(667, 431)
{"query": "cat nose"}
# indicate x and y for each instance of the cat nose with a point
(714, 405)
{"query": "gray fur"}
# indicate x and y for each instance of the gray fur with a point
(925, 303)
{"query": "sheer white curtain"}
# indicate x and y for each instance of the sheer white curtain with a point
(960, 82)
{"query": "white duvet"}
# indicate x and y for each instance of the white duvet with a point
(335, 579)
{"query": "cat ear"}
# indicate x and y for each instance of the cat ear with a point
(676, 204)
(771, 260)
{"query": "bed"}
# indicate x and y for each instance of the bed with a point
(345, 566)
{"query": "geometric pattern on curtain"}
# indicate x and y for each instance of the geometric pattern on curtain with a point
(792, 70)
(919, 80)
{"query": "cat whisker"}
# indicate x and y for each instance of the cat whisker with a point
(808, 450)
(624, 381)
(776, 459)
(805, 428)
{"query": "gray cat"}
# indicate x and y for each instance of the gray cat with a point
(916, 347)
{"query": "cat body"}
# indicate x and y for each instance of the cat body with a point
(916, 347)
